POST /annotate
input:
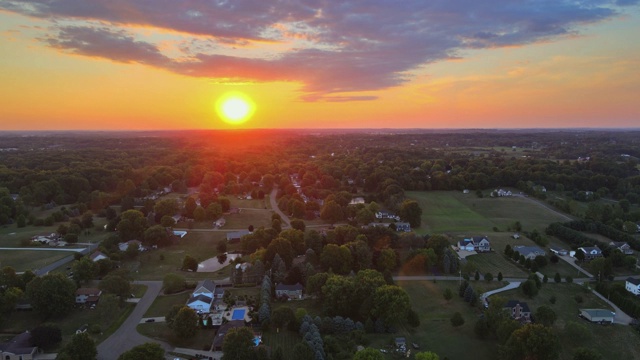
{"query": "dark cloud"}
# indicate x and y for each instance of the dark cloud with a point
(348, 46)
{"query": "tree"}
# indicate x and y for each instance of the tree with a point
(457, 320)
(368, 354)
(331, 212)
(146, 351)
(46, 335)
(500, 276)
(199, 214)
(337, 258)
(173, 283)
(238, 344)
(117, 284)
(557, 278)
(448, 294)
(387, 260)
(165, 207)
(532, 341)
(586, 354)
(298, 224)
(185, 324)
(411, 212)
(84, 270)
(391, 304)
(545, 315)
(156, 235)
(282, 316)
(52, 294)
(189, 263)
(302, 351)
(529, 288)
(107, 306)
(81, 347)
(427, 355)
(132, 225)
(189, 206)
(488, 277)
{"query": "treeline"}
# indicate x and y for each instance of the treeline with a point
(571, 232)
(617, 293)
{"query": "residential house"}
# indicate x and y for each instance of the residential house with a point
(179, 233)
(518, 310)
(622, 246)
(403, 226)
(387, 215)
(476, 243)
(500, 193)
(529, 252)
(219, 223)
(97, 256)
(356, 200)
(591, 252)
(224, 329)
(125, 245)
(88, 295)
(204, 296)
(633, 286)
(18, 348)
(289, 291)
(237, 235)
(558, 251)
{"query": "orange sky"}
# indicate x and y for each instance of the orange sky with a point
(64, 69)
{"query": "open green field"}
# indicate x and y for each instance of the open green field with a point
(495, 263)
(284, 339)
(201, 341)
(250, 204)
(246, 217)
(22, 260)
(453, 211)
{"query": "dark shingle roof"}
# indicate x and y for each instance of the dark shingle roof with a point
(295, 287)
(512, 303)
(635, 282)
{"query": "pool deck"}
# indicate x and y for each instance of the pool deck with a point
(228, 314)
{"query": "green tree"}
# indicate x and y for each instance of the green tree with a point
(189, 263)
(81, 347)
(156, 235)
(302, 351)
(45, 336)
(411, 212)
(448, 294)
(387, 260)
(238, 344)
(199, 214)
(132, 225)
(337, 294)
(545, 315)
(337, 258)
(52, 294)
(457, 320)
(557, 278)
(427, 355)
(84, 270)
(368, 354)
(189, 206)
(116, 283)
(532, 341)
(185, 324)
(166, 207)
(108, 305)
(331, 212)
(529, 288)
(213, 211)
(146, 351)
(391, 303)
(173, 283)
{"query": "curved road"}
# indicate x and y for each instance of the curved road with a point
(274, 207)
(126, 337)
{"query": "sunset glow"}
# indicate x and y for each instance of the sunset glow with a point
(235, 108)
(71, 64)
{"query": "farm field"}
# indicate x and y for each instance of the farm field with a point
(450, 211)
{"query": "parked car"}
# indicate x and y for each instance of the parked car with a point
(150, 320)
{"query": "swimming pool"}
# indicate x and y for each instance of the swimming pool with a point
(238, 314)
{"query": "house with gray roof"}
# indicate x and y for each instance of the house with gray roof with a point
(289, 291)
(18, 348)
(591, 252)
(518, 311)
(236, 235)
(632, 285)
(529, 252)
(622, 246)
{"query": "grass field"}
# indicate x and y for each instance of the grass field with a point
(201, 341)
(612, 342)
(451, 211)
(163, 303)
(495, 263)
(22, 260)
(284, 339)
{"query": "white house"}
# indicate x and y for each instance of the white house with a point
(387, 215)
(529, 252)
(591, 253)
(203, 296)
(633, 286)
(403, 226)
(622, 246)
(289, 291)
(124, 246)
(476, 243)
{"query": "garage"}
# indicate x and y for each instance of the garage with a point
(597, 315)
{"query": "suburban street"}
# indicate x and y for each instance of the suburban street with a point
(126, 337)
(274, 207)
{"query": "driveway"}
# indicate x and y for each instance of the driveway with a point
(512, 285)
(621, 317)
(126, 337)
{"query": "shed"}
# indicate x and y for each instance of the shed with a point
(598, 315)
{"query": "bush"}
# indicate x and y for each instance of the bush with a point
(578, 299)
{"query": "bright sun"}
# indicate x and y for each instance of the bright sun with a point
(235, 108)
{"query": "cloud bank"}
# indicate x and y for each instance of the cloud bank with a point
(331, 48)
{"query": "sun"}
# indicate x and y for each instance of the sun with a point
(235, 108)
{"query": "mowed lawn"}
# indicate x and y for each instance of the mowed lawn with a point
(453, 211)
(22, 260)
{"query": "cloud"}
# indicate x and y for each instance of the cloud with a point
(329, 47)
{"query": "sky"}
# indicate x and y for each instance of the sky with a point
(163, 64)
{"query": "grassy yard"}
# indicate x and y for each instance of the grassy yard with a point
(163, 303)
(250, 204)
(284, 339)
(22, 260)
(202, 340)
(495, 263)
(246, 217)
(612, 342)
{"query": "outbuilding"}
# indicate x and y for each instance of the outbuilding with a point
(598, 315)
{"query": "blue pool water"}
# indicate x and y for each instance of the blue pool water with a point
(256, 341)
(238, 314)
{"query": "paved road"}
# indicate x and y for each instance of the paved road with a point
(274, 207)
(126, 337)
(44, 249)
(621, 317)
